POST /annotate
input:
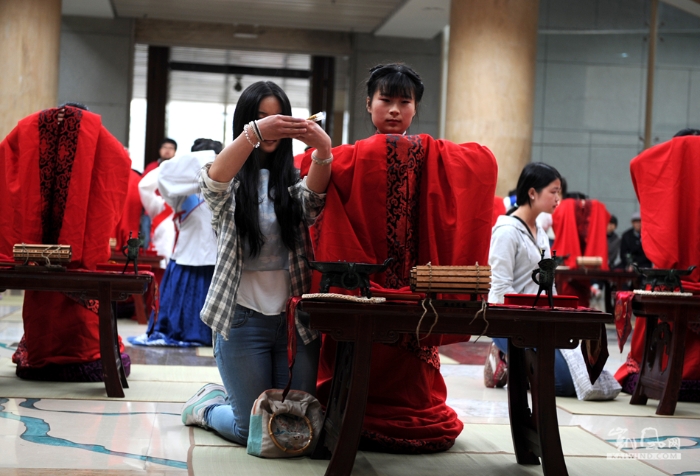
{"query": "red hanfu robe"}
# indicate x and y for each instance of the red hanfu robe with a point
(574, 220)
(666, 179)
(417, 200)
(62, 184)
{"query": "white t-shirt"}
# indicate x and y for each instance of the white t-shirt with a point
(265, 282)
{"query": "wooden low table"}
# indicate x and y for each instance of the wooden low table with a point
(616, 277)
(357, 326)
(106, 287)
(667, 318)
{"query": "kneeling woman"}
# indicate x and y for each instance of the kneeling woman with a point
(516, 249)
(417, 200)
(260, 213)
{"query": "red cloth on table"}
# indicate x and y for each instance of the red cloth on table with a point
(418, 200)
(623, 316)
(570, 225)
(665, 178)
(499, 208)
(61, 184)
(130, 220)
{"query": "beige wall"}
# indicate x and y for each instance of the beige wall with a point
(30, 32)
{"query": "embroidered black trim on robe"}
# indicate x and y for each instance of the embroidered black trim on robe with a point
(57, 146)
(403, 176)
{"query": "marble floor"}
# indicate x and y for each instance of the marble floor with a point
(116, 437)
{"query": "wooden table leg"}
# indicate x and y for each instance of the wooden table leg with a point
(639, 397)
(544, 404)
(109, 344)
(353, 400)
(674, 368)
(120, 364)
(535, 433)
(337, 399)
(521, 424)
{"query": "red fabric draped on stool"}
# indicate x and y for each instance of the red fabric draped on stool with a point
(666, 178)
(418, 200)
(580, 229)
(65, 183)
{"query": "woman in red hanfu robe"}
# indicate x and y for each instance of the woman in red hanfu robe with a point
(580, 229)
(417, 200)
(666, 178)
(64, 179)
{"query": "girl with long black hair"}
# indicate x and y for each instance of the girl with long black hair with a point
(260, 212)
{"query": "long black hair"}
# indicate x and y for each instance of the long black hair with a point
(282, 174)
(535, 175)
(395, 79)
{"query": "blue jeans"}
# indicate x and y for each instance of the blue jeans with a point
(252, 360)
(563, 383)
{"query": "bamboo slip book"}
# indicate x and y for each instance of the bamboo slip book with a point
(44, 254)
(451, 279)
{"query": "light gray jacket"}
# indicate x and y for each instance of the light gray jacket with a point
(513, 256)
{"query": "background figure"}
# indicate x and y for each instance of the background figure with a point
(63, 180)
(168, 149)
(597, 294)
(186, 281)
(614, 243)
(162, 228)
(517, 244)
(631, 250)
(580, 229)
(261, 213)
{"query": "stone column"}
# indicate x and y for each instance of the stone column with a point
(30, 35)
(491, 80)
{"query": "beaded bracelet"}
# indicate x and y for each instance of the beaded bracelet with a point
(257, 131)
(318, 161)
(254, 132)
(245, 131)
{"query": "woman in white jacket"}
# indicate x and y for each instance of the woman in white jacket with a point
(517, 243)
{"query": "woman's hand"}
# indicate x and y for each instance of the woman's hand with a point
(319, 175)
(316, 137)
(281, 127)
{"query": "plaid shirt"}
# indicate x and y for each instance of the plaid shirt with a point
(221, 299)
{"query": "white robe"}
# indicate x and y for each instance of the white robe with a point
(163, 234)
